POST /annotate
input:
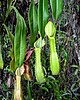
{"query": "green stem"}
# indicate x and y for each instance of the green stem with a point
(29, 91)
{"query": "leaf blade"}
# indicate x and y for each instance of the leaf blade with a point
(19, 40)
(32, 18)
(22, 43)
(42, 16)
(56, 6)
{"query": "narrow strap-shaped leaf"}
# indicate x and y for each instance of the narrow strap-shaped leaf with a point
(9, 2)
(22, 42)
(32, 17)
(56, 6)
(1, 60)
(42, 15)
(19, 40)
(9, 8)
(45, 12)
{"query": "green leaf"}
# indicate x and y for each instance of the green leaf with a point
(22, 42)
(42, 15)
(19, 40)
(44, 88)
(29, 91)
(1, 60)
(57, 7)
(9, 8)
(32, 18)
(9, 2)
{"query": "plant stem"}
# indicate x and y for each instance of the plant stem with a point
(29, 91)
(1, 60)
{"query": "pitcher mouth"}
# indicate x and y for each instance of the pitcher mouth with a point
(39, 43)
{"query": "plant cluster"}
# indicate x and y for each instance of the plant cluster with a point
(40, 28)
